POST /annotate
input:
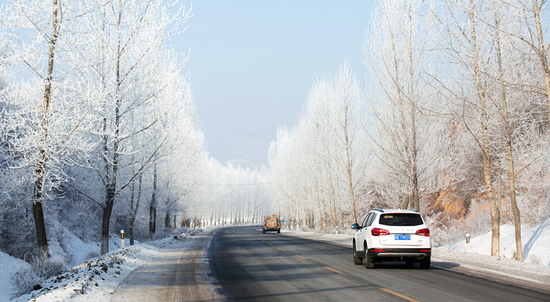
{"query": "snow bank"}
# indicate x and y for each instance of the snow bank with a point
(97, 278)
(8, 266)
(71, 248)
(536, 244)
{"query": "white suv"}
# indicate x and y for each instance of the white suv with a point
(392, 235)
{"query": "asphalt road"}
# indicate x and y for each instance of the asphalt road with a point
(250, 266)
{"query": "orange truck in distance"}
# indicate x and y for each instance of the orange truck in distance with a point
(271, 223)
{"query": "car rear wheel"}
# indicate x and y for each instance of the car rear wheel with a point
(369, 263)
(425, 263)
(356, 259)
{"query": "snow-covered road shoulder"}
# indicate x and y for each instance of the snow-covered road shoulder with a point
(499, 269)
(97, 279)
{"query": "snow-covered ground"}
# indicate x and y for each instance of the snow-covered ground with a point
(97, 278)
(536, 244)
(8, 267)
(94, 279)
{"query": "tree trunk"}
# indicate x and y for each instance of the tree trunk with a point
(107, 210)
(515, 209)
(509, 147)
(153, 205)
(324, 214)
(542, 53)
(134, 211)
(130, 220)
(495, 212)
(349, 161)
(332, 207)
(340, 215)
(111, 167)
(167, 220)
(131, 231)
(406, 202)
(38, 211)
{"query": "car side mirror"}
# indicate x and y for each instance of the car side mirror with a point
(355, 226)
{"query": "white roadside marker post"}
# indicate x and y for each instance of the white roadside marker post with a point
(121, 239)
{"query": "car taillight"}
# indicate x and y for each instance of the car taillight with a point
(379, 232)
(423, 232)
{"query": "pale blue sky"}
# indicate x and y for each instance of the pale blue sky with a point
(253, 63)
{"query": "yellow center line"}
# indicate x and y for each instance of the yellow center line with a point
(281, 249)
(301, 257)
(333, 270)
(268, 243)
(398, 295)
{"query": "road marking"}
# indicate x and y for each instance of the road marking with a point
(268, 243)
(333, 270)
(398, 295)
(281, 249)
(301, 257)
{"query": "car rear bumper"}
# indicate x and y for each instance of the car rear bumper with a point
(399, 253)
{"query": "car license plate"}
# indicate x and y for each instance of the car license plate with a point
(402, 237)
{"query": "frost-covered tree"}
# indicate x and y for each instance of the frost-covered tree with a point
(44, 116)
(122, 58)
(318, 167)
(401, 130)
(463, 38)
(494, 92)
(530, 29)
(348, 130)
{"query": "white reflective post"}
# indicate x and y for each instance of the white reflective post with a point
(121, 239)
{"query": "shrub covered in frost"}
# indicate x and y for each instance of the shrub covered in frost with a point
(29, 279)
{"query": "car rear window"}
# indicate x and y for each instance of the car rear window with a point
(400, 219)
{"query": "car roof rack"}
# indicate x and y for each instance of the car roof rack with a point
(381, 210)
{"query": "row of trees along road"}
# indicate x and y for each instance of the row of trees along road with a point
(453, 121)
(100, 114)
